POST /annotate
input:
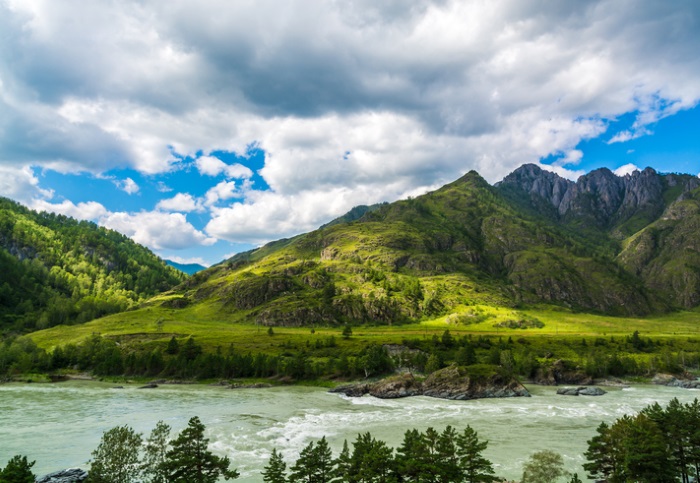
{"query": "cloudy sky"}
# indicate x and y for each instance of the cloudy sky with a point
(202, 128)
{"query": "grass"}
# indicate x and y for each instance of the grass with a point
(155, 325)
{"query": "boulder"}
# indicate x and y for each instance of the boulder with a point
(452, 382)
(581, 391)
(71, 475)
(686, 381)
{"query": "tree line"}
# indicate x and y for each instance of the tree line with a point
(658, 445)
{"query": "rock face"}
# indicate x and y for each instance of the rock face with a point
(449, 383)
(71, 475)
(599, 195)
(558, 373)
(581, 391)
(455, 382)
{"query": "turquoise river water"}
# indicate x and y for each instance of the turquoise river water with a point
(58, 425)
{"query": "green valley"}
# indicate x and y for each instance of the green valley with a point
(531, 271)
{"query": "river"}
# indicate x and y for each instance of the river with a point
(58, 425)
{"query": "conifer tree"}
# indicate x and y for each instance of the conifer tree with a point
(18, 470)
(475, 468)
(315, 464)
(275, 471)
(190, 461)
(342, 465)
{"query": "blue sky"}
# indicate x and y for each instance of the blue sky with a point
(201, 129)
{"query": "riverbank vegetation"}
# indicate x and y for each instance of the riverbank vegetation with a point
(327, 354)
(660, 445)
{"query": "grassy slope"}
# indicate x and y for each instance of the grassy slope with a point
(475, 257)
(156, 325)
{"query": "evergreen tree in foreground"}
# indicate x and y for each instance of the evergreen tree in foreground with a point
(189, 460)
(18, 470)
(275, 471)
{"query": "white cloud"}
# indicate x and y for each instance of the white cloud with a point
(351, 101)
(225, 190)
(183, 202)
(89, 210)
(626, 169)
(127, 185)
(21, 185)
(157, 230)
(213, 166)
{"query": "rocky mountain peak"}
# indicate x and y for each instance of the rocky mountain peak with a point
(535, 181)
(600, 195)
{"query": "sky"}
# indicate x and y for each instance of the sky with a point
(204, 128)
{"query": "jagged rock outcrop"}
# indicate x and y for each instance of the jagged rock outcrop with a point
(558, 373)
(535, 181)
(601, 196)
(456, 382)
(452, 382)
(71, 475)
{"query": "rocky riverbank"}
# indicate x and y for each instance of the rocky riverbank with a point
(452, 382)
(686, 381)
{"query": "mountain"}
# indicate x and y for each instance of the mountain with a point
(604, 244)
(651, 220)
(57, 270)
(188, 268)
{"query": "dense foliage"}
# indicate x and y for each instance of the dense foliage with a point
(121, 457)
(57, 270)
(657, 445)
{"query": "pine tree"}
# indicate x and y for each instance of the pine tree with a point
(18, 470)
(315, 464)
(190, 461)
(475, 468)
(342, 465)
(116, 459)
(275, 471)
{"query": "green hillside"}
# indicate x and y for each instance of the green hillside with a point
(469, 273)
(56, 270)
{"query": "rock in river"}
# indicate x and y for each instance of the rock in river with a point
(581, 391)
(452, 382)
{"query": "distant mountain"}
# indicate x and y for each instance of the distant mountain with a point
(606, 244)
(57, 270)
(188, 268)
(651, 220)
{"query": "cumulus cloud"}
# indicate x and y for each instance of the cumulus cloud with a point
(127, 185)
(626, 169)
(20, 184)
(89, 210)
(182, 202)
(225, 190)
(157, 230)
(349, 100)
(212, 166)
